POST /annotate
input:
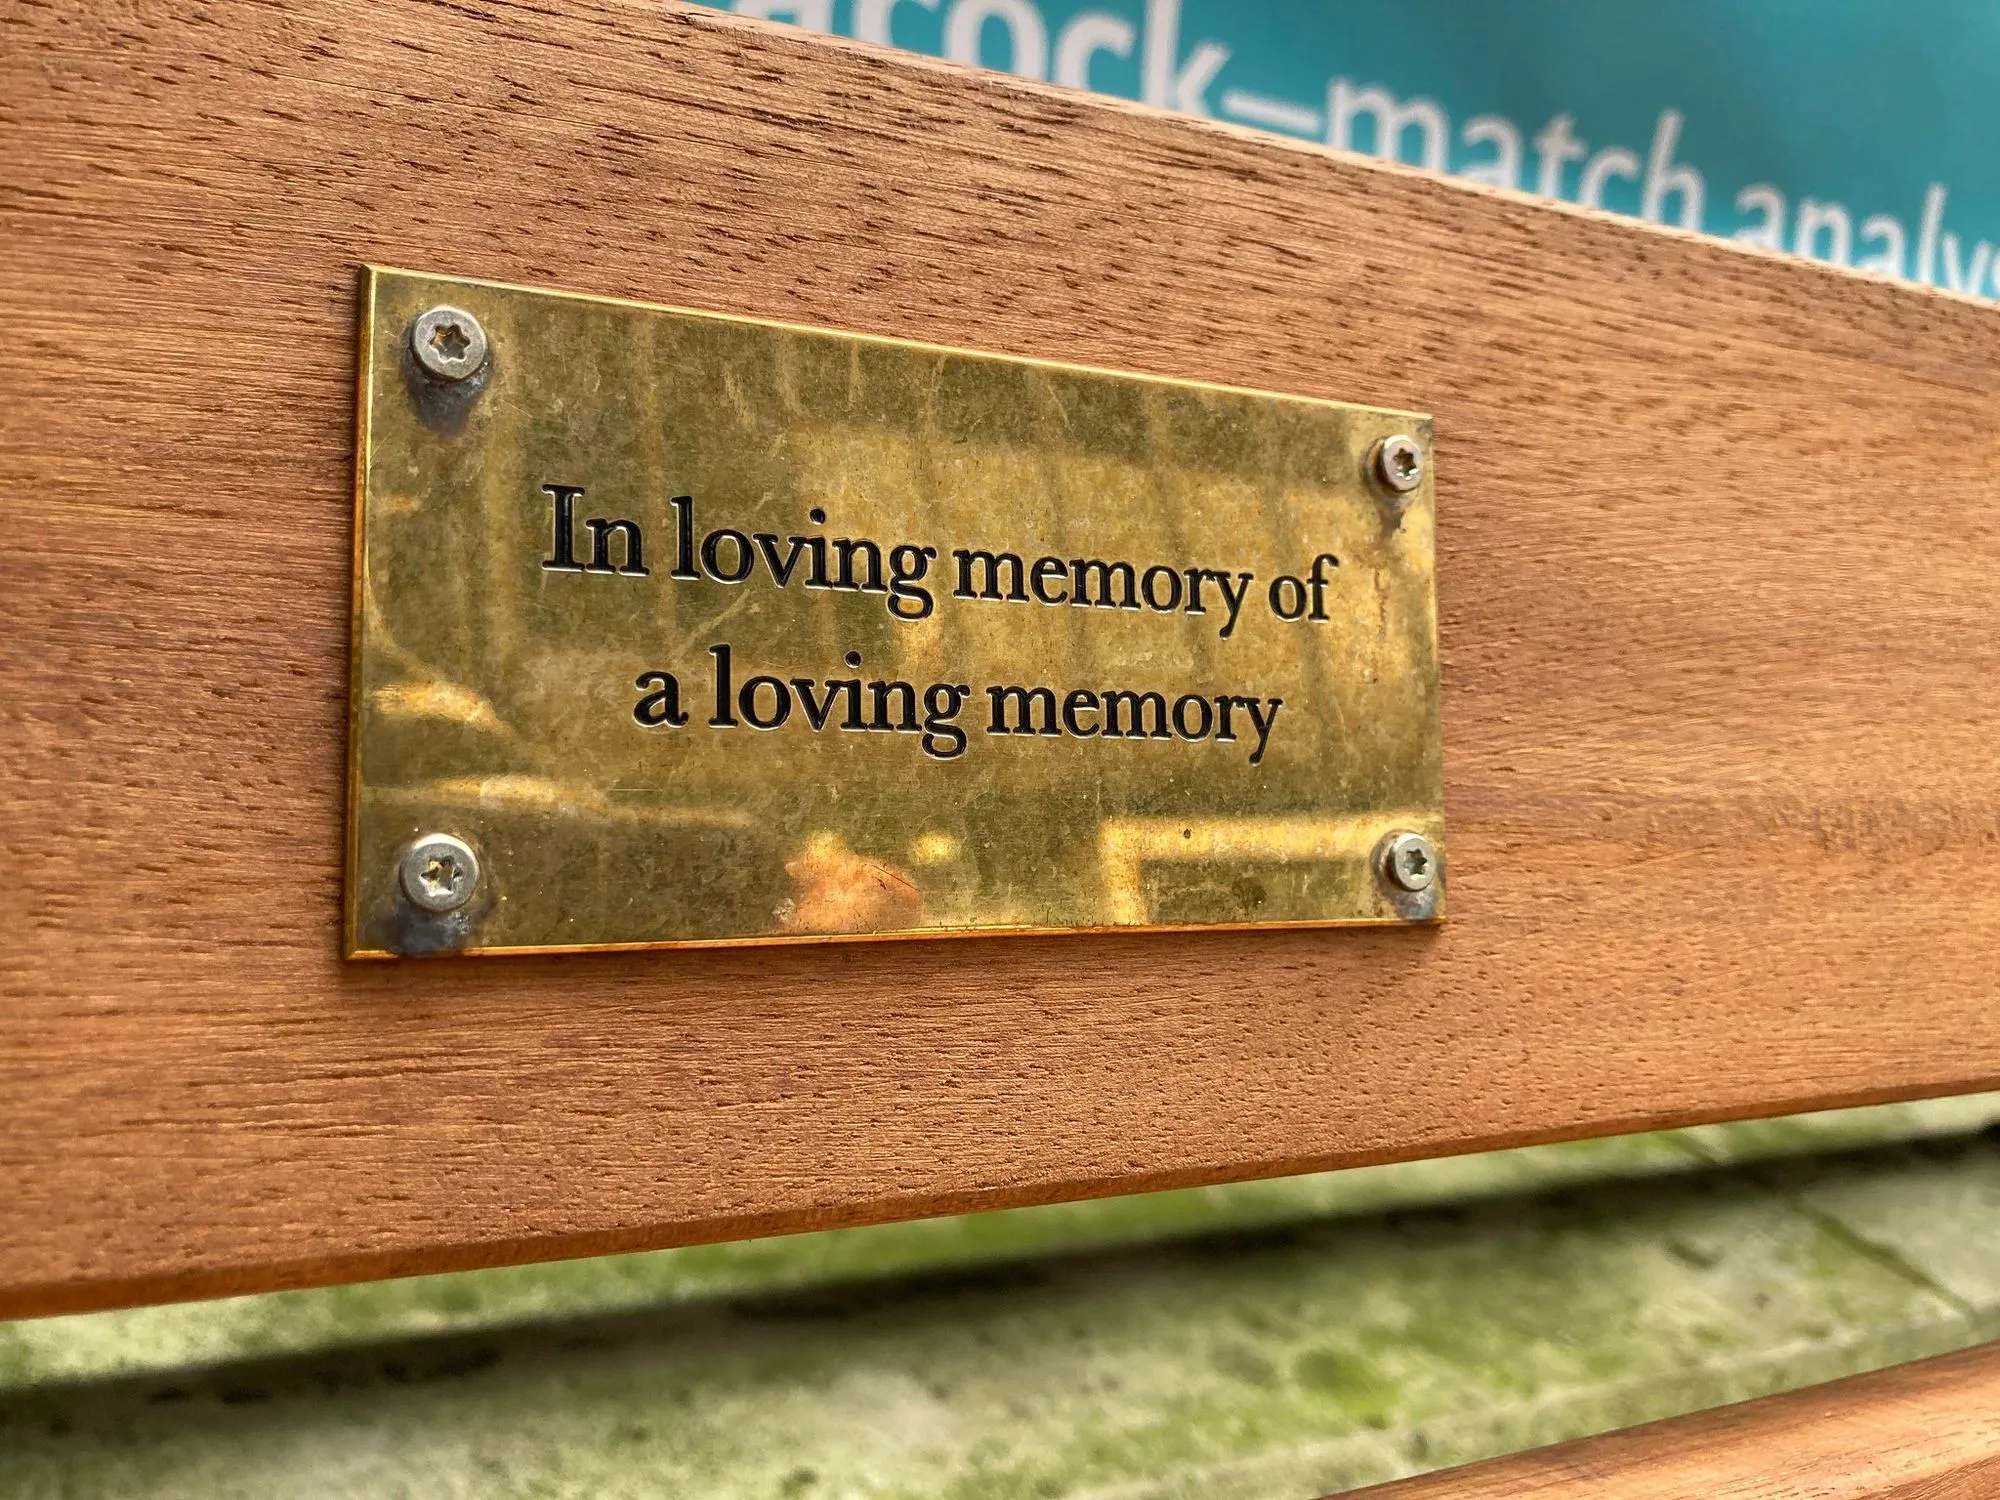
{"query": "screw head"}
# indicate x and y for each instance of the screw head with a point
(1407, 861)
(448, 343)
(438, 872)
(1398, 465)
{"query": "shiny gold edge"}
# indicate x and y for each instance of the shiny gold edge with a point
(483, 704)
(371, 274)
(900, 935)
(363, 382)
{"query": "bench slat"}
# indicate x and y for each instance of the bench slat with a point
(1921, 1431)
(1715, 574)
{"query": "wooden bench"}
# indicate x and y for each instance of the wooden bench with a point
(1714, 580)
(1287, 1337)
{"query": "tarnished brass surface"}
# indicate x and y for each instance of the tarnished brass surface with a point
(502, 679)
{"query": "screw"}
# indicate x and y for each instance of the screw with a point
(438, 872)
(1407, 861)
(1397, 465)
(449, 343)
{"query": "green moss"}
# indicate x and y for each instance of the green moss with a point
(1358, 1387)
(1269, 1340)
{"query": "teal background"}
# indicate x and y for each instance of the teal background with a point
(1859, 104)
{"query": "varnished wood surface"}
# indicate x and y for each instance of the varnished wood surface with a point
(1923, 1431)
(1717, 560)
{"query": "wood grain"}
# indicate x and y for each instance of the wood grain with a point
(1717, 544)
(1923, 1431)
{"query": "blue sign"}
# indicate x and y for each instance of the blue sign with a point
(1845, 130)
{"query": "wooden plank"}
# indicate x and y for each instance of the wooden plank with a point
(1715, 563)
(1922, 1431)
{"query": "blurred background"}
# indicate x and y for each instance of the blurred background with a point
(1261, 1341)
(1845, 130)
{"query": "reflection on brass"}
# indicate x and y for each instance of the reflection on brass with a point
(698, 629)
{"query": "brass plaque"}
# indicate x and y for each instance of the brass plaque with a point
(679, 628)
